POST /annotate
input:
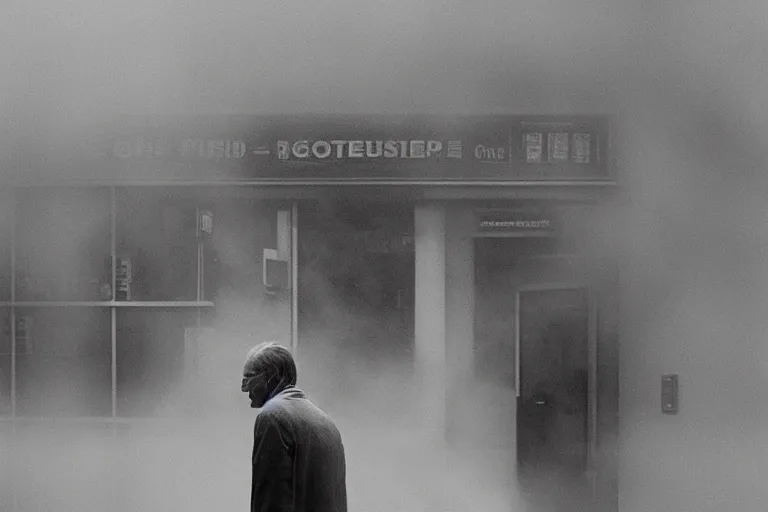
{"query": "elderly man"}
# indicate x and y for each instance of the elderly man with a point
(298, 457)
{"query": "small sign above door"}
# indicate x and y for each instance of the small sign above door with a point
(502, 221)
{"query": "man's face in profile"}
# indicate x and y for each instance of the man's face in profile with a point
(255, 385)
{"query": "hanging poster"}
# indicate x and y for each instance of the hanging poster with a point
(533, 148)
(580, 153)
(558, 146)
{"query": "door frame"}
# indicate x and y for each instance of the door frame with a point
(591, 356)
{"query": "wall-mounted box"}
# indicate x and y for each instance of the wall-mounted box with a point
(275, 271)
(669, 394)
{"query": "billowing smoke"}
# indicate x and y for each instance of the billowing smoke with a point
(685, 81)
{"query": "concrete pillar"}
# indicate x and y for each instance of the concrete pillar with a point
(430, 352)
(429, 329)
(460, 316)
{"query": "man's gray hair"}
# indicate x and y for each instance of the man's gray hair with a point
(274, 363)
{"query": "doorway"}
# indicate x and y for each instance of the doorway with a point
(553, 398)
(537, 332)
(555, 402)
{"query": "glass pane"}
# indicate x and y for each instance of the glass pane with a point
(6, 231)
(150, 360)
(63, 245)
(157, 250)
(64, 368)
(158, 347)
(243, 229)
(5, 361)
(247, 312)
(8, 448)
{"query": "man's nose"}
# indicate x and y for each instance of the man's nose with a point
(244, 385)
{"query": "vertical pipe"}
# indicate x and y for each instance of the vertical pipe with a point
(200, 269)
(113, 328)
(199, 255)
(114, 362)
(113, 309)
(592, 390)
(14, 453)
(295, 279)
(517, 344)
(113, 239)
(14, 216)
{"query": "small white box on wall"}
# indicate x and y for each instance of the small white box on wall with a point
(283, 235)
(275, 271)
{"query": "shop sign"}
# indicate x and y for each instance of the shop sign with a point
(370, 149)
(381, 241)
(291, 149)
(334, 149)
(167, 148)
(558, 147)
(514, 220)
(492, 154)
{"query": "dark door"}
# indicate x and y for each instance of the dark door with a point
(553, 401)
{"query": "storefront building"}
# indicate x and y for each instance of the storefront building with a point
(470, 252)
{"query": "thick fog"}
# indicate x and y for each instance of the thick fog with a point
(685, 81)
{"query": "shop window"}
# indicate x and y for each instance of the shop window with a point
(5, 361)
(244, 228)
(63, 365)
(171, 269)
(62, 242)
(6, 231)
(150, 361)
(157, 255)
(174, 251)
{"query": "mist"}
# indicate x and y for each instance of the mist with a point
(685, 82)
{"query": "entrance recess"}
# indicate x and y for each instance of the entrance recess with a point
(556, 392)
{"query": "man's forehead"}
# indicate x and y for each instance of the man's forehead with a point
(250, 367)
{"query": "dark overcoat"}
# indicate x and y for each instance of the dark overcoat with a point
(298, 458)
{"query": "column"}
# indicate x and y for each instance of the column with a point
(460, 319)
(429, 339)
(430, 353)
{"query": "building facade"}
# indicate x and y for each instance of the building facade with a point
(473, 255)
